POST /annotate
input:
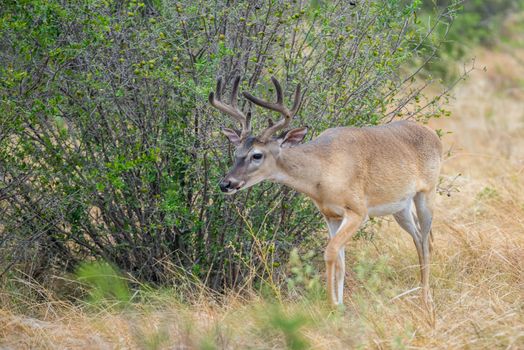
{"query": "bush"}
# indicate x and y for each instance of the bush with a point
(108, 148)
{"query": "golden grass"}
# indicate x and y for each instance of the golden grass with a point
(477, 273)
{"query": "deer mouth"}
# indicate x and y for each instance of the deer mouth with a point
(236, 188)
(240, 185)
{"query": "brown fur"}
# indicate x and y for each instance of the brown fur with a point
(363, 167)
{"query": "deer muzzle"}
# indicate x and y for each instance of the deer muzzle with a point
(231, 185)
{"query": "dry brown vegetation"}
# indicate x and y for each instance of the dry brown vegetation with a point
(477, 274)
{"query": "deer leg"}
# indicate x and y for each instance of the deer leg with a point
(408, 221)
(340, 274)
(430, 232)
(330, 272)
(424, 205)
(340, 265)
(347, 229)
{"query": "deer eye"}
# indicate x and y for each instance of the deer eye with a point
(257, 156)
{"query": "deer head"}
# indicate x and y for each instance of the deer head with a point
(256, 156)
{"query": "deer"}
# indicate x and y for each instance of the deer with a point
(350, 173)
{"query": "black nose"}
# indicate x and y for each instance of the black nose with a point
(225, 185)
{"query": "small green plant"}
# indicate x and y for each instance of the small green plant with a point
(487, 193)
(373, 273)
(105, 285)
(304, 277)
(276, 320)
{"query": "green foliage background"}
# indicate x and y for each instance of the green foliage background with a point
(108, 148)
(478, 23)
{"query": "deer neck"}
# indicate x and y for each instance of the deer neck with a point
(299, 169)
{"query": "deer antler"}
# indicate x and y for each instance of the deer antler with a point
(277, 107)
(232, 108)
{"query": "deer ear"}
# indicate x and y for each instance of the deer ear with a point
(292, 137)
(232, 135)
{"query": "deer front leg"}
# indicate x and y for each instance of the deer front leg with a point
(334, 256)
(333, 225)
(340, 266)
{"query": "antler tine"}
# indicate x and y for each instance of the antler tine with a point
(215, 102)
(234, 92)
(248, 121)
(278, 88)
(277, 107)
(220, 85)
(215, 99)
(297, 100)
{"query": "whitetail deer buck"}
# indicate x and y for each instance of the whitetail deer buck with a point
(351, 174)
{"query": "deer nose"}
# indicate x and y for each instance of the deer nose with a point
(225, 185)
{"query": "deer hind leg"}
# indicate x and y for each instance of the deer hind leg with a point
(340, 265)
(424, 202)
(334, 255)
(408, 221)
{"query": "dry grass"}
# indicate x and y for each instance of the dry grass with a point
(477, 271)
